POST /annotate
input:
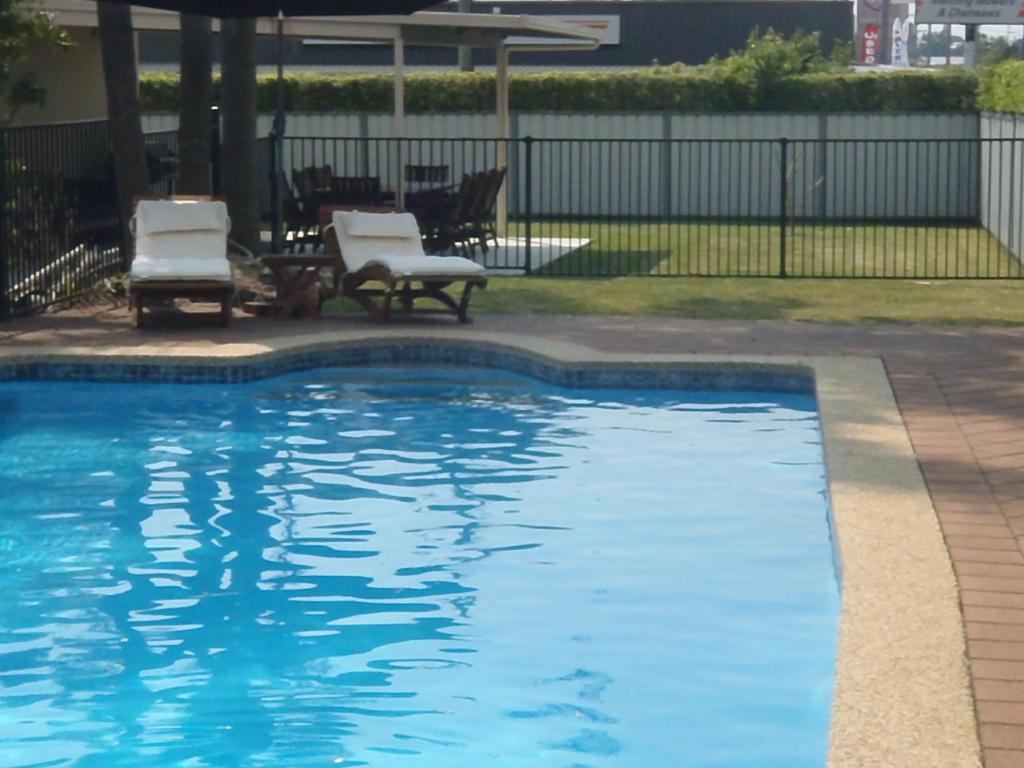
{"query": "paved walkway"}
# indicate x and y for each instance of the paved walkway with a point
(960, 390)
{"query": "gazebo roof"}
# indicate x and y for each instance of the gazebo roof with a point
(431, 28)
(478, 30)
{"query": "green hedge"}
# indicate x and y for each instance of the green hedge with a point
(1001, 88)
(653, 89)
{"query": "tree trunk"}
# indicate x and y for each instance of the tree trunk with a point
(238, 104)
(196, 98)
(127, 145)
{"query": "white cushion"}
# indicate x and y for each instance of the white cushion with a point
(158, 216)
(417, 267)
(392, 240)
(360, 248)
(361, 224)
(184, 270)
(196, 255)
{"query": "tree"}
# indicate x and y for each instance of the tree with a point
(117, 40)
(995, 50)
(23, 32)
(196, 93)
(238, 103)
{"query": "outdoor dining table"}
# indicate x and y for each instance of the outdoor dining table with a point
(294, 275)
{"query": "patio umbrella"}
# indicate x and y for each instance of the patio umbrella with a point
(240, 9)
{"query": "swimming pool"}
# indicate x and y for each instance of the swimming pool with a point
(420, 567)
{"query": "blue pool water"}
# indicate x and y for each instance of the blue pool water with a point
(412, 567)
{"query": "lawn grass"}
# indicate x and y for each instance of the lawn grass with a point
(623, 259)
(719, 248)
(960, 302)
(999, 302)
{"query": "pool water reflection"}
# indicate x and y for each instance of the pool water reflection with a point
(412, 567)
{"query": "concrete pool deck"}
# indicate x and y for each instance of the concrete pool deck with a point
(902, 695)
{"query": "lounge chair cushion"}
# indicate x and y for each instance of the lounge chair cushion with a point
(416, 267)
(181, 241)
(362, 248)
(161, 216)
(183, 269)
(390, 225)
(392, 240)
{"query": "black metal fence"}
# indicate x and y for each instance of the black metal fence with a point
(837, 208)
(59, 219)
(885, 208)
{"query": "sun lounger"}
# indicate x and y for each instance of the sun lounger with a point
(387, 248)
(181, 251)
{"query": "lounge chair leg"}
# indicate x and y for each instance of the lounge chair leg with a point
(225, 311)
(385, 304)
(405, 296)
(463, 310)
(138, 310)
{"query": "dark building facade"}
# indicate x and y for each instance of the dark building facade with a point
(639, 32)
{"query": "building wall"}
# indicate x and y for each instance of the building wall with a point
(73, 80)
(689, 31)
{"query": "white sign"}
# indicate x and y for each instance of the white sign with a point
(608, 26)
(900, 39)
(969, 12)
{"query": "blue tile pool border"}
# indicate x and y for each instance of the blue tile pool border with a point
(790, 378)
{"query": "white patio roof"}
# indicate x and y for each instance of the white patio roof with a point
(479, 30)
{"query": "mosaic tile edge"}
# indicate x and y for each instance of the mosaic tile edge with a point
(725, 375)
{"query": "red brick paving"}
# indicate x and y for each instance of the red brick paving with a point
(961, 394)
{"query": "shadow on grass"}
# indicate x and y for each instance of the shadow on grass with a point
(746, 308)
(591, 262)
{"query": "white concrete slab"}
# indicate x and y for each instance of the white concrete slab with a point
(509, 257)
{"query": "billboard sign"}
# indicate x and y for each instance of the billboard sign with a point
(969, 12)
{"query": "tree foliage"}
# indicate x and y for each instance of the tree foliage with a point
(995, 50)
(22, 32)
(1001, 88)
(645, 90)
(772, 73)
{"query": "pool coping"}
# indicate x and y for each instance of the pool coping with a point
(902, 692)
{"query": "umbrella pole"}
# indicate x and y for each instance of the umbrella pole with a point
(278, 139)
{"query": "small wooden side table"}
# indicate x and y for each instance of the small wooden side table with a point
(294, 274)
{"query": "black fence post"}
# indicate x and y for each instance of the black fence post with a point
(783, 194)
(528, 205)
(215, 151)
(5, 265)
(275, 198)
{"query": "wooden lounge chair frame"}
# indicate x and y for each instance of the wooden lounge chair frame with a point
(200, 290)
(378, 302)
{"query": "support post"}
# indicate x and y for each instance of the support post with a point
(399, 130)
(503, 126)
(465, 52)
(783, 194)
(528, 205)
(5, 240)
(971, 46)
(215, 158)
(277, 146)
(276, 194)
